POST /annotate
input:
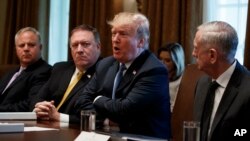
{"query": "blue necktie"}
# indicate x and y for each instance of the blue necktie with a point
(118, 78)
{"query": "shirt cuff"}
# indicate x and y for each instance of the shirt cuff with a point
(64, 118)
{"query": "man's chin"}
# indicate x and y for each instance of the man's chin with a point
(82, 65)
(116, 56)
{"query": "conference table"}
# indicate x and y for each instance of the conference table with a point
(64, 133)
(61, 133)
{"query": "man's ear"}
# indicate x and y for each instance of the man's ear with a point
(141, 43)
(213, 55)
(99, 46)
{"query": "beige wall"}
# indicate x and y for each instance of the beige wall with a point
(3, 5)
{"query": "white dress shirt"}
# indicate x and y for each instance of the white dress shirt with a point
(222, 80)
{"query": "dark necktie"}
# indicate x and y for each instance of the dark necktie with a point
(208, 108)
(118, 78)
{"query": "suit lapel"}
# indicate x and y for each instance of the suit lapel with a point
(18, 79)
(126, 80)
(5, 82)
(229, 95)
(132, 72)
(226, 101)
(66, 79)
(110, 77)
(25, 72)
(82, 82)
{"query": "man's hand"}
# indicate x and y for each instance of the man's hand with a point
(54, 114)
(46, 110)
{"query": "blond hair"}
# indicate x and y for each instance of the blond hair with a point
(137, 21)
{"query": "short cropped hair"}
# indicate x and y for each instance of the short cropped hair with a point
(220, 34)
(31, 29)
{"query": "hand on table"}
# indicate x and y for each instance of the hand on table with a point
(46, 110)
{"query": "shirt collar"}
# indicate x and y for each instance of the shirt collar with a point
(224, 78)
(128, 64)
(77, 70)
(21, 69)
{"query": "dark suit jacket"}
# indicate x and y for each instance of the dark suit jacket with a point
(56, 86)
(17, 96)
(234, 109)
(142, 99)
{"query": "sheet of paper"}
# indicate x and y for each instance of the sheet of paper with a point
(91, 136)
(135, 137)
(35, 128)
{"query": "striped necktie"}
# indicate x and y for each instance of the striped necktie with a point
(70, 87)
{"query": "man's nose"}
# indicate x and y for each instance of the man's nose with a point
(79, 47)
(115, 37)
(194, 54)
(26, 47)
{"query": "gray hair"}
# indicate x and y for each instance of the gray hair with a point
(220, 34)
(31, 29)
(138, 21)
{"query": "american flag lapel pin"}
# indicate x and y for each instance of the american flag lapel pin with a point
(134, 72)
(89, 76)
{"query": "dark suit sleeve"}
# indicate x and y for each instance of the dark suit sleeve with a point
(41, 96)
(51, 89)
(74, 117)
(85, 101)
(33, 84)
(146, 92)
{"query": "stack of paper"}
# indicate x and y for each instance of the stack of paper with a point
(17, 116)
(11, 127)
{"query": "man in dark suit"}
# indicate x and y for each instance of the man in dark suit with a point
(215, 45)
(57, 98)
(21, 84)
(140, 103)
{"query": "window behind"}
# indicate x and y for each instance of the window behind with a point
(233, 12)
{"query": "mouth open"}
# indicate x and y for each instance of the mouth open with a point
(116, 48)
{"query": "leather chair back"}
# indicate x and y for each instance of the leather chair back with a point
(183, 108)
(5, 68)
